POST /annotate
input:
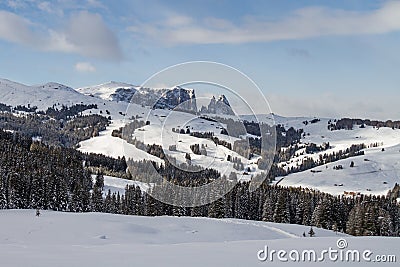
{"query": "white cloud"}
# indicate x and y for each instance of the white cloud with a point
(301, 24)
(16, 29)
(84, 34)
(49, 8)
(84, 67)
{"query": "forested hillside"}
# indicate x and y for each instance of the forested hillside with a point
(34, 175)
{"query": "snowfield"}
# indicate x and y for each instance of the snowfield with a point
(96, 239)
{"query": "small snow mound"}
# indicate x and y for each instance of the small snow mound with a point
(57, 86)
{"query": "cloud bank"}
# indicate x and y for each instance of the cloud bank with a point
(85, 34)
(301, 24)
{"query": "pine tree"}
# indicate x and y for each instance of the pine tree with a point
(386, 227)
(217, 209)
(268, 210)
(311, 233)
(281, 212)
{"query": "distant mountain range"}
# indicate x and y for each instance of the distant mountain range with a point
(48, 94)
(162, 98)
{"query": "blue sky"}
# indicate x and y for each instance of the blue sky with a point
(322, 58)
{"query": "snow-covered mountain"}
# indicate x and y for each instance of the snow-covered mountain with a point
(112, 96)
(220, 106)
(108, 91)
(169, 98)
(42, 96)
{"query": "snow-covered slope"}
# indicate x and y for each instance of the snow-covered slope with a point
(105, 90)
(114, 147)
(95, 239)
(160, 132)
(374, 173)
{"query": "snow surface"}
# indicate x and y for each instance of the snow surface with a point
(117, 184)
(96, 239)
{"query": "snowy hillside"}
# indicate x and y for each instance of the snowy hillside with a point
(160, 132)
(373, 173)
(47, 95)
(95, 239)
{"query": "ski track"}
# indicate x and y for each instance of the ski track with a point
(257, 224)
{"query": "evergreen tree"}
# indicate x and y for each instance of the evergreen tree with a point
(311, 233)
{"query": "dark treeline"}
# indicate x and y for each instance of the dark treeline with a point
(182, 174)
(361, 215)
(309, 163)
(210, 135)
(348, 124)
(66, 112)
(56, 111)
(284, 138)
(4, 107)
(285, 154)
(55, 132)
(33, 175)
(36, 175)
